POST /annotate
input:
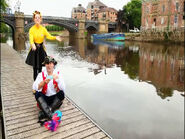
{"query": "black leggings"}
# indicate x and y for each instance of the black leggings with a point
(36, 71)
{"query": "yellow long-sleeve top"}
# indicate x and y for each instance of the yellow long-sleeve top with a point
(37, 34)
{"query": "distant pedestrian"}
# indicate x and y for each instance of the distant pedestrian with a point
(37, 51)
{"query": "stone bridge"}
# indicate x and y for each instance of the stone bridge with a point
(21, 23)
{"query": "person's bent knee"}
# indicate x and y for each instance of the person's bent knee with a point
(61, 95)
(37, 95)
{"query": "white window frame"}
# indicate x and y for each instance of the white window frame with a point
(162, 20)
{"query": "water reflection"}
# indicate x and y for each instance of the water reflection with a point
(112, 44)
(99, 52)
(163, 66)
(155, 72)
(128, 60)
(156, 64)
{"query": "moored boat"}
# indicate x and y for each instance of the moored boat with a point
(109, 36)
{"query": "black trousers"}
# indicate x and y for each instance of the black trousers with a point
(49, 100)
(36, 71)
(36, 58)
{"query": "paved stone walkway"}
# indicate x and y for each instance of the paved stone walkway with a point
(19, 106)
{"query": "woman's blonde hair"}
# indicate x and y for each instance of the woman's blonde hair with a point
(36, 12)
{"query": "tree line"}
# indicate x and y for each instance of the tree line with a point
(54, 28)
(130, 15)
(4, 5)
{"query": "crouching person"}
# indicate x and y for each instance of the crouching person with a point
(49, 86)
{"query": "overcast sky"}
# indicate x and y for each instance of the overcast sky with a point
(59, 7)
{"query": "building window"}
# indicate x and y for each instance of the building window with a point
(162, 20)
(163, 8)
(146, 22)
(155, 21)
(177, 6)
(175, 19)
(147, 10)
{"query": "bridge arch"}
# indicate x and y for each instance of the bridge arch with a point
(70, 27)
(28, 26)
(66, 25)
(8, 22)
(12, 26)
(91, 29)
(92, 26)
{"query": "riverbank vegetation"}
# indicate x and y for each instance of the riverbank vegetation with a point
(130, 16)
(54, 28)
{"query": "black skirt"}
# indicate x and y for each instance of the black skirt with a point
(36, 58)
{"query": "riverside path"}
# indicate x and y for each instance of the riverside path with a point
(20, 114)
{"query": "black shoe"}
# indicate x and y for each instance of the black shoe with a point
(41, 115)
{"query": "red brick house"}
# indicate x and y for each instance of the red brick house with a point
(96, 10)
(93, 8)
(79, 12)
(109, 14)
(160, 14)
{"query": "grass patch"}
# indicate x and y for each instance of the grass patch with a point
(55, 33)
(132, 34)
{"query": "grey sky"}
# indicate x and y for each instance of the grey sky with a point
(59, 7)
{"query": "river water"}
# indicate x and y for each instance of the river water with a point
(131, 90)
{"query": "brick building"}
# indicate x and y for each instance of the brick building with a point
(95, 11)
(109, 14)
(162, 14)
(93, 8)
(78, 12)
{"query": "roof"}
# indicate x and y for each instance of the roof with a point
(107, 9)
(96, 4)
(78, 9)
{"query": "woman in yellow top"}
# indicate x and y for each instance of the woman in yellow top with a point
(37, 52)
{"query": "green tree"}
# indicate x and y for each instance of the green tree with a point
(3, 6)
(54, 28)
(133, 13)
(4, 28)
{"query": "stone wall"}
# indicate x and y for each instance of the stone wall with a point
(175, 35)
